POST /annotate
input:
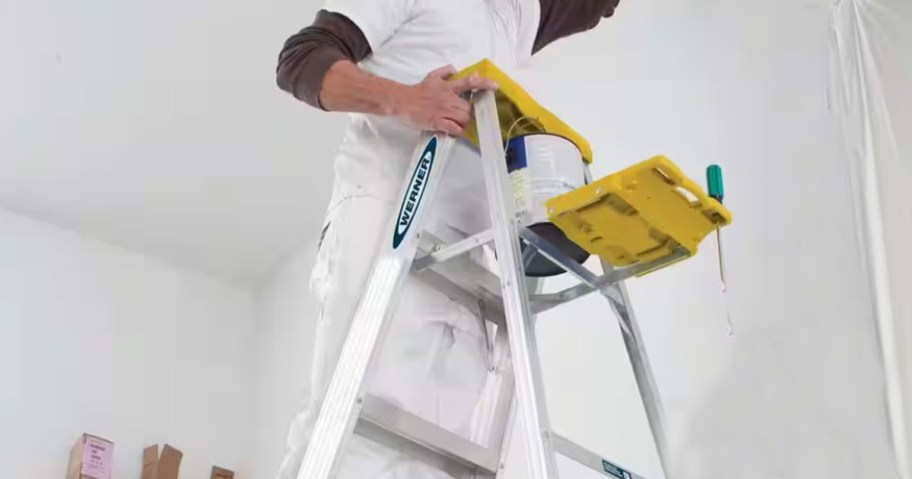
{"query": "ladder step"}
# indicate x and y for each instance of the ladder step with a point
(440, 253)
(462, 279)
(456, 284)
(387, 424)
(593, 461)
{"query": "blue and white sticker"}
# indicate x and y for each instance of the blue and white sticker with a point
(615, 471)
(415, 192)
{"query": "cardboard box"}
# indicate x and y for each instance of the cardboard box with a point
(219, 473)
(91, 458)
(164, 466)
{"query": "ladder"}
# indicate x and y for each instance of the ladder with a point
(506, 299)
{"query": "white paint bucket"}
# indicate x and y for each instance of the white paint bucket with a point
(541, 167)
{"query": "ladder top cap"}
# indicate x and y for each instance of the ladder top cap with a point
(514, 104)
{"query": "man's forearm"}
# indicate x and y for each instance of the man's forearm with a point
(308, 55)
(347, 88)
(434, 104)
(318, 65)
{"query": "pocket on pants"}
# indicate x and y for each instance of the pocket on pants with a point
(327, 259)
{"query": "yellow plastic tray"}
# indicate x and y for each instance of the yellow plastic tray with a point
(517, 110)
(643, 213)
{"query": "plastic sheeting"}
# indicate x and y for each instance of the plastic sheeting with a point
(870, 91)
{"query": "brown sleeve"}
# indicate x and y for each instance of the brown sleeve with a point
(562, 18)
(308, 54)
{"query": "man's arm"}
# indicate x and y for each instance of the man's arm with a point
(562, 18)
(308, 55)
(318, 66)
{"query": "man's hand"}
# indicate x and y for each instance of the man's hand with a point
(436, 104)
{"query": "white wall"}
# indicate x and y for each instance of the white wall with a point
(157, 126)
(101, 340)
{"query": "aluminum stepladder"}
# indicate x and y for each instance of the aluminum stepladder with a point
(506, 299)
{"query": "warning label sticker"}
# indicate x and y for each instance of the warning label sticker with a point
(615, 471)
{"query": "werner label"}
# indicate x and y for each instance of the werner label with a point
(415, 192)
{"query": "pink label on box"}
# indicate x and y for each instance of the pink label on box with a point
(96, 458)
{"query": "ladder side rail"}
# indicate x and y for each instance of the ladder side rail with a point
(341, 405)
(642, 370)
(616, 294)
(531, 405)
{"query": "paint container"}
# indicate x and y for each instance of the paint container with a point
(543, 166)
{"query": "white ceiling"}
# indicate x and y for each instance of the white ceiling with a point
(157, 126)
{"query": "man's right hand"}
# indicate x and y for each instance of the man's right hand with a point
(436, 104)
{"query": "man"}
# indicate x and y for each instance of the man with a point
(371, 58)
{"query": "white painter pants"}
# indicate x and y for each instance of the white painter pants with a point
(433, 362)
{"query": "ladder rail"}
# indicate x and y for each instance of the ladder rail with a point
(530, 400)
(642, 371)
(342, 403)
(616, 294)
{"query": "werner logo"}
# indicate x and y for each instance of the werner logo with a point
(415, 192)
